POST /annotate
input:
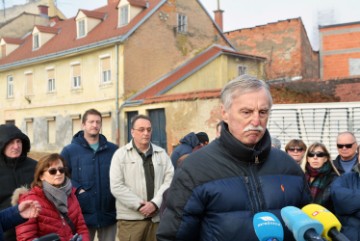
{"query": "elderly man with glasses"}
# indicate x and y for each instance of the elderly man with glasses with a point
(347, 146)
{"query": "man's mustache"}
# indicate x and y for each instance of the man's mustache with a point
(253, 128)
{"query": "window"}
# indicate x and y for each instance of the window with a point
(76, 77)
(105, 70)
(241, 69)
(10, 86)
(51, 130)
(51, 80)
(36, 41)
(124, 15)
(81, 28)
(182, 23)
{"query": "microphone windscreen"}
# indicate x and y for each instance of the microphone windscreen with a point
(299, 223)
(268, 227)
(324, 216)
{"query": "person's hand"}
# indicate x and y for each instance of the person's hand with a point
(29, 209)
(76, 237)
(147, 209)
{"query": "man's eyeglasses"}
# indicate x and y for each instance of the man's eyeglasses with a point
(298, 149)
(341, 146)
(318, 154)
(142, 129)
(53, 171)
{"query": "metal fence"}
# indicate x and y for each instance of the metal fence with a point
(319, 122)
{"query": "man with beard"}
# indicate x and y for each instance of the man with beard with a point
(218, 189)
(89, 157)
(16, 168)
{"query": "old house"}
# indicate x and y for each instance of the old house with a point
(103, 59)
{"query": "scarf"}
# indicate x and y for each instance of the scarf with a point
(58, 195)
(321, 178)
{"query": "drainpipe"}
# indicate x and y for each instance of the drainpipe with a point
(117, 128)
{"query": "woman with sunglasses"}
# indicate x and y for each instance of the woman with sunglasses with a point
(320, 173)
(61, 212)
(296, 148)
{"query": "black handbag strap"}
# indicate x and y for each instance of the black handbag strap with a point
(71, 224)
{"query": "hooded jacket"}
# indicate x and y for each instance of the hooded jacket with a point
(49, 219)
(218, 189)
(14, 172)
(90, 171)
(345, 194)
(187, 144)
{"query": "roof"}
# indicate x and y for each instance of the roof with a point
(175, 77)
(107, 31)
(13, 40)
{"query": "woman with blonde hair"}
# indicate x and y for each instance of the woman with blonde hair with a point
(320, 173)
(61, 212)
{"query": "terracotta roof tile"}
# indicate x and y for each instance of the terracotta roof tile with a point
(13, 40)
(66, 39)
(93, 14)
(46, 29)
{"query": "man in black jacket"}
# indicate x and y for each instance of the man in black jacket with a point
(16, 168)
(219, 188)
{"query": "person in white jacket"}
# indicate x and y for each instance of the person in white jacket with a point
(139, 174)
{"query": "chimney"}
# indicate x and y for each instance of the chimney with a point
(43, 10)
(219, 16)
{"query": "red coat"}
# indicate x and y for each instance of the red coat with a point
(50, 220)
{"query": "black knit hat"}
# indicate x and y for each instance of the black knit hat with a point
(203, 137)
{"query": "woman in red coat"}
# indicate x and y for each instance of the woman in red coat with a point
(60, 210)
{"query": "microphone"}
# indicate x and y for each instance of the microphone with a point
(332, 225)
(48, 237)
(302, 227)
(268, 227)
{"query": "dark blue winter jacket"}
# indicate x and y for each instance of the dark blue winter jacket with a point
(90, 171)
(218, 189)
(9, 218)
(345, 194)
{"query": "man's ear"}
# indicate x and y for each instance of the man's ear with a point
(224, 113)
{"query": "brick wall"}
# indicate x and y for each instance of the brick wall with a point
(339, 44)
(285, 45)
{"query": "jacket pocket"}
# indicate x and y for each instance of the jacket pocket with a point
(87, 202)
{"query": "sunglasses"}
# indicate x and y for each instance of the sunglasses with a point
(340, 146)
(299, 149)
(318, 154)
(53, 171)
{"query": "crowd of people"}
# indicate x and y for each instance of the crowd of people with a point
(205, 190)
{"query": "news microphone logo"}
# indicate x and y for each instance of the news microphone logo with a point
(332, 225)
(268, 227)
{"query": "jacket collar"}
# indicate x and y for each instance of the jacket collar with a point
(258, 154)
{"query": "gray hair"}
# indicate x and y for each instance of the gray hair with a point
(241, 85)
(275, 142)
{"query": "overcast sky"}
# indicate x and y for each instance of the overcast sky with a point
(244, 14)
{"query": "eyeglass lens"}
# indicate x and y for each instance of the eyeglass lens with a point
(149, 129)
(53, 171)
(318, 154)
(299, 149)
(340, 146)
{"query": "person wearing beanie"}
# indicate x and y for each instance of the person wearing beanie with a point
(16, 168)
(188, 144)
